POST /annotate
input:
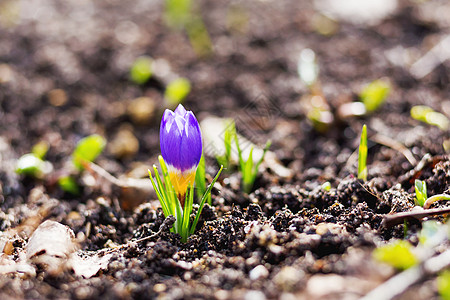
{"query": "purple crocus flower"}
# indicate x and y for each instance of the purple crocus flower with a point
(181, 146)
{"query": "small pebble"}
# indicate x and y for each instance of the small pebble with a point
(57, 97)
(141, 110)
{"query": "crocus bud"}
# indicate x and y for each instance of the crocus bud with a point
(181, 147)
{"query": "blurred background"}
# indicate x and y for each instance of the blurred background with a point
(69, 69)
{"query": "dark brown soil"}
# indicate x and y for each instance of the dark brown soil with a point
(286, 236)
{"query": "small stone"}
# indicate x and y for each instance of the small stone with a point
(9, 248)
(254, 295)
(125, 144)
(258, 272)
(289, 279)
(141, 110)
(159, 288)
(6, 73)
(57, 97)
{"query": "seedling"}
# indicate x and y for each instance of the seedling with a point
(326, 186)
(176, 91)
(69, 185)
(428, 115)
(34, 164)
(179, 14)
(228, 136)
(374, 94)
(141, 70)
(31, 165)
(443, 284)
(87, 150)
(421, 192)
(249, 170)
(362, 155)
(40, 149)
(398, 254)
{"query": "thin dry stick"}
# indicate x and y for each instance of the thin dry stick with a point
(391, 143)
(398, 218)
(398, 284)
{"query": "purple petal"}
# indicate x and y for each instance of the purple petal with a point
(181, 111)
(180, 139)
(170, 144)
(191, 143)
(166, 121)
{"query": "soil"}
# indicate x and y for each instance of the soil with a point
(64, 74)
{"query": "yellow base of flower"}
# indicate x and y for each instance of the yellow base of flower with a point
(181, 181)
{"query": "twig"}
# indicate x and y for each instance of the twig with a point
(400, 283)
(391, 143)
(165, 226)
(398, 218)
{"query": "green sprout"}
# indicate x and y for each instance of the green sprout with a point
(40, 149)
(421, 195)
(172, 206)
(326, 186)
(200, 180)
(87, 150)
(141, 70)
(249, 170)
(421, 192)
(180, 14)
(398, 254)
(228, 135)
(69, 185)
(176, 91)
(34, 164)
(443, 284)
(374, 94)
(428, 115)
(362, 155)
(31, 165)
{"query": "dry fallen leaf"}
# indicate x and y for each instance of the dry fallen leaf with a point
(51, 245)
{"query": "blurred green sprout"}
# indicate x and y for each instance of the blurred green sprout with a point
(362, 155)
(374, 94)
(31, 165)
(326, 186)
(180, 14)
(249, 170)
(228, 136)
(34, 164)
(176, 91)
(141, 70)
(443, 285)
(398, 254)
(428, 115)
(87, 150)
(421, 192)
(68, 184)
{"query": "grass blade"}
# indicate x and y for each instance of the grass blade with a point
(202, 203)
(362, 155)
